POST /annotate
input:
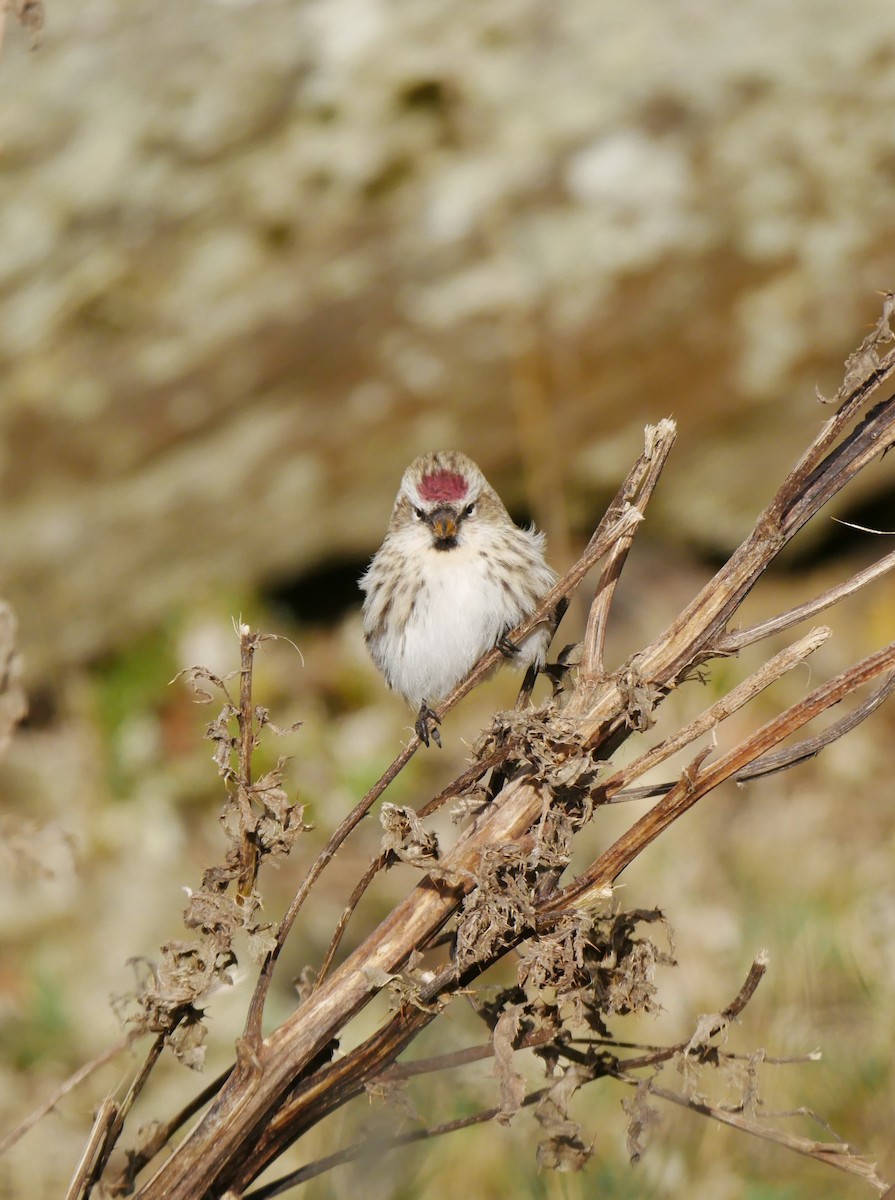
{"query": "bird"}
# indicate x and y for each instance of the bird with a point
(453, 576)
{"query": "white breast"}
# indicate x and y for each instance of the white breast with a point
(460, 610)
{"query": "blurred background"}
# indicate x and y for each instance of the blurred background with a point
(255, 255)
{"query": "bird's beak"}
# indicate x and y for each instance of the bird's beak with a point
(444, 526)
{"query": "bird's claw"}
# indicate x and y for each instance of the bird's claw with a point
(507, 648)
(426, 726)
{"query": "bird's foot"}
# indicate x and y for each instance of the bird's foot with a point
(507, 648)
(426, 726)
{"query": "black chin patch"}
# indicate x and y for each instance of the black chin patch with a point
(447, 543)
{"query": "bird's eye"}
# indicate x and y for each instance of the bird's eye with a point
(469, 510)
(419, 514)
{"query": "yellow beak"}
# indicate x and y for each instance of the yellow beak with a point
(444, 527)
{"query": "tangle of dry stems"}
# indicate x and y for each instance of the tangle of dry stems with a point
(499, 887)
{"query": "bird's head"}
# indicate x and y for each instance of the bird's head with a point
(443, 492)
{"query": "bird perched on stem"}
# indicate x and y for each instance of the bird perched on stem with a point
(452, 577)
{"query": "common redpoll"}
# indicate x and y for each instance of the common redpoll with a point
(452, 577)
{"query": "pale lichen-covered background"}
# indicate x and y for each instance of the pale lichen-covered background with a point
(255, 256)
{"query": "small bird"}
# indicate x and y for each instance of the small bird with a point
(452, 577)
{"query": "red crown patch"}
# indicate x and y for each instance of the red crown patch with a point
(443, 485)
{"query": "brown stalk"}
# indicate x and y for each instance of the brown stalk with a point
(696, 782)
(91, 1157)
(245, 716)
(832, 1154)
(732, 642)
(591, 667)
(711, 717)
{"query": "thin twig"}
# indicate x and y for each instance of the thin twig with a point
(374, 1147)
(74, 1080)
(591, 667)
(121, 1112)
(695, 782)
(778, 760)
(323, 859)
(89, 1163)
(732, 641)
(781, 760)
(833, 1154)
(245, 717)
(162, 1134)
(711, 718)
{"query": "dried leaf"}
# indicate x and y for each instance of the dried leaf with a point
(511, 1085)
(262, 716)
(642, 1117)
(640, 699)
(865, 361)
(563, 1154)
(213, 912)
(262, 941)
(186, 972)
(188, 1042)
(562, 1149)
(195, 676)
(377, 977)
(708, 1026)
(406, 837)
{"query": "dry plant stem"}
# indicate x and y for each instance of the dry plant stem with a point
(326, 855)
(833, 1154)
(619, 523)
(711, 718)
(592, 657)
(730, 643)
(262, 1078)
(789, 756)
(690, 638)
(163, 1133)
(246, 723)
(379, 1147)
(444, 1062)
(265, 1073)
(363, 883)
(61, 1091)
(121, 1111)
(591, 667)
(696, 783)
(340, 1080)
(779, 760)
(85, 1171)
